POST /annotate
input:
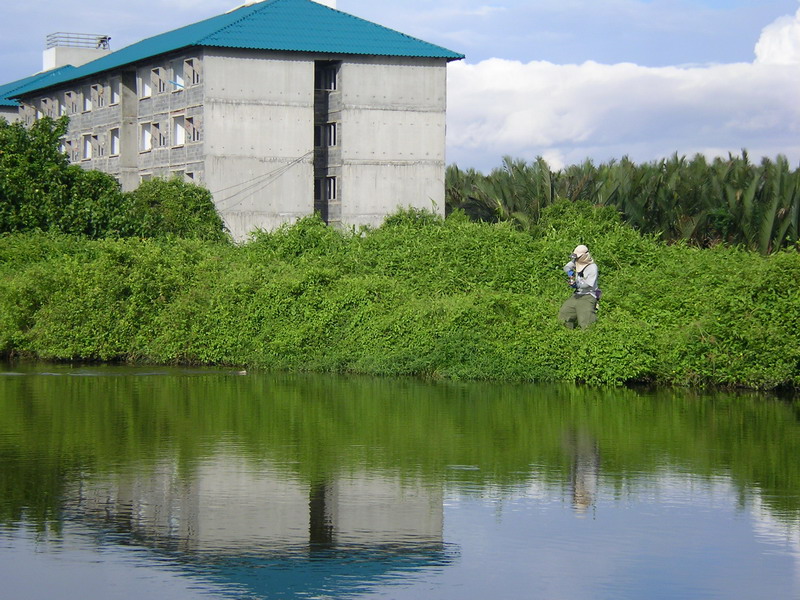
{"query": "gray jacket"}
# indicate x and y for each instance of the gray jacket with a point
(585, 282)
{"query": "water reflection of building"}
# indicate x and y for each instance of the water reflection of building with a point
(228, 505)
(584, 469)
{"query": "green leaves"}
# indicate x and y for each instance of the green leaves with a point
(726, 201)
(420, 295)
(161, 208)
(41, 191)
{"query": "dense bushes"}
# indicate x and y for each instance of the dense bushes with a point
(41, 191)
(420, 295)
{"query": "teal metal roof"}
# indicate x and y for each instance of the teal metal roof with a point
(8, 90)
(290, 25)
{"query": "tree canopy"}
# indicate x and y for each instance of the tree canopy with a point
(41, 191)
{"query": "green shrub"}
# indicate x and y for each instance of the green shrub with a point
(41, 191)
(417, 296)
(160, 207)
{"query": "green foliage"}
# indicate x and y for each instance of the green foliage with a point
(41, 191)
(308, 237)
(420, 295)
(173, 207)
(725, 201)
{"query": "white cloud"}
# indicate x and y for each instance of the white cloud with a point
(567, 113)
(779, 43)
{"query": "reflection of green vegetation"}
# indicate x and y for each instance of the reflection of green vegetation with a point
(53, 429)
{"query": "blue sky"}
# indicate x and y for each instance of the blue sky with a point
(563, 79)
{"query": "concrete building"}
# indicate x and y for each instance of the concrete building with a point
(9, 106)
(280, 108)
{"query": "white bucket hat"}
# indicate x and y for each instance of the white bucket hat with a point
(584, 259)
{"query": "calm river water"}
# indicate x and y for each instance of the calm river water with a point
(121, 483)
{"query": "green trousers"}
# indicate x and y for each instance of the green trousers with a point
(578, 309)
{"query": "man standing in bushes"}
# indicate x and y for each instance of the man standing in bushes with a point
(581, 307)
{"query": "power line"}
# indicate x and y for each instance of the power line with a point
(256, 184)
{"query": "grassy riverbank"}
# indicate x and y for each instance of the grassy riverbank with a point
(418, 296)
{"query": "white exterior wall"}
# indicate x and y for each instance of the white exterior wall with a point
(393, 137)
(70, 55)
(259, 137)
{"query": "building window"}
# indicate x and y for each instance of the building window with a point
(113, 136)
(330, 134)
(158, 77)
(72, 150)
(158, 135)
(71, 99)
(178, 130)
(191, 71)
(116, 90)
(98, 95)
(87, 99)
(145, 137)
(178, 81)
(62, 105)
(29, 112)
(86, 147)
(325, 135)
(47, 107)
(143, 83)
(326, 75)
(324, 195)
(99, 148)
(192, 129)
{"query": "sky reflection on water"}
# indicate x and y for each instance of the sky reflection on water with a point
(192, 485)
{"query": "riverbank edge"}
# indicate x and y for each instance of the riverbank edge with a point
(419, 296)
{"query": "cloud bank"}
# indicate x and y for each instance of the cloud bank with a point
(780, 42)
(568, 113)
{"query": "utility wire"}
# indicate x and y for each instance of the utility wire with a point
(256, 184)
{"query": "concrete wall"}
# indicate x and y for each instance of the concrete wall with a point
(60, 56)
(393, 136)
(259, 137)
(9, 113)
